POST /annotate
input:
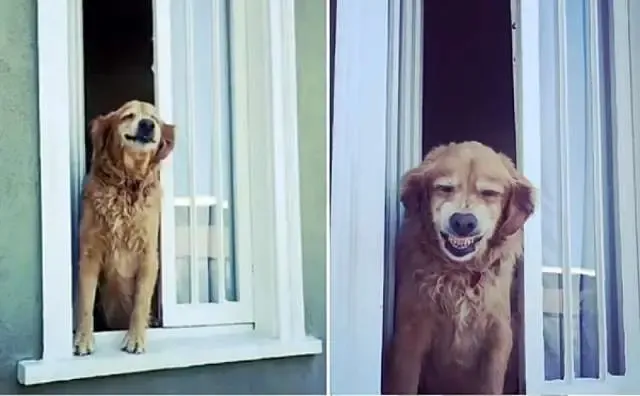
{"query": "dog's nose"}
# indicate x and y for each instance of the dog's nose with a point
(145, 128)
(463, 224)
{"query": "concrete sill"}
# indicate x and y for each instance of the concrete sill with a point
(167, 353)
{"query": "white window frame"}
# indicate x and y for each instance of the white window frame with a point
(357, 195)
(370, 137)
(244, 164)
(376, 131)
(270, 115)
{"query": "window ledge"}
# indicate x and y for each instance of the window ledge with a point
(170, 353)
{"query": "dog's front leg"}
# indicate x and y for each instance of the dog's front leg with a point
(145, 283)
(498, 349)
(411, 341)
(88, 280)
(408, 346)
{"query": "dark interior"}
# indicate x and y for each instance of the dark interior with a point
(468, 75)
(118, 56)
(468, 95)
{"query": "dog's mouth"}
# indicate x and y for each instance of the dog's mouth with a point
(460, 246)
(140, 139)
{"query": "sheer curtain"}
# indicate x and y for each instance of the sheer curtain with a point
(581, 301)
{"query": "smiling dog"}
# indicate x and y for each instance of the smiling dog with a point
(465, 207)
(120, 223)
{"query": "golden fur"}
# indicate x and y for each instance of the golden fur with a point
(452, 315)
(120, 224)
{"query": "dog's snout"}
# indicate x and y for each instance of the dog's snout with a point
(145, 127)
(463, 224)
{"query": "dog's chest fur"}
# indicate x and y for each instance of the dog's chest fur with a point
(462, 305)
(128, 215)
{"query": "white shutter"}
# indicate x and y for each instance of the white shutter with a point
(203, 281)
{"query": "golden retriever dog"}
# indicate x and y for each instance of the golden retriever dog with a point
(465, 207)
(120, 223)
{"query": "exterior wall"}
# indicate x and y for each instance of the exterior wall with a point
(20, 279)
(20, 320)
(312, 60)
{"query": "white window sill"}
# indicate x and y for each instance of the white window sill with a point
(164, 353)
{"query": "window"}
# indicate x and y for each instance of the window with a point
(581, 273)
(210, 282)
(231, 271)
(582, 305)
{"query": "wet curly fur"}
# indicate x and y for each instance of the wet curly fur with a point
(452, 318)
(120, 224)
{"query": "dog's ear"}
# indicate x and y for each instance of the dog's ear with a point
(520, 202)
(414, 187)
(412, 190)
(100, 128)
(167, 141)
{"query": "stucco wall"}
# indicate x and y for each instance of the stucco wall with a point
(20, 323)
(310, 45)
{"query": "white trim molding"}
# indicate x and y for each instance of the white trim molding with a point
(358, 195)
(286, 178)
(267, 69)
(175, 349)
(56, 34)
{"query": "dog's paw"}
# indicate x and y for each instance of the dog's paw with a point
(134, 341)
(83, 343)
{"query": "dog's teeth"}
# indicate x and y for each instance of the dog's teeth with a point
(460, 243)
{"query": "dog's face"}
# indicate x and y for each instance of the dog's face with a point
(472, 195)
(139, 126)
(133, 133)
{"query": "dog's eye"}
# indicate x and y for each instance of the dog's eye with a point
(489, 193)
(127, 117)
(445, 189)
